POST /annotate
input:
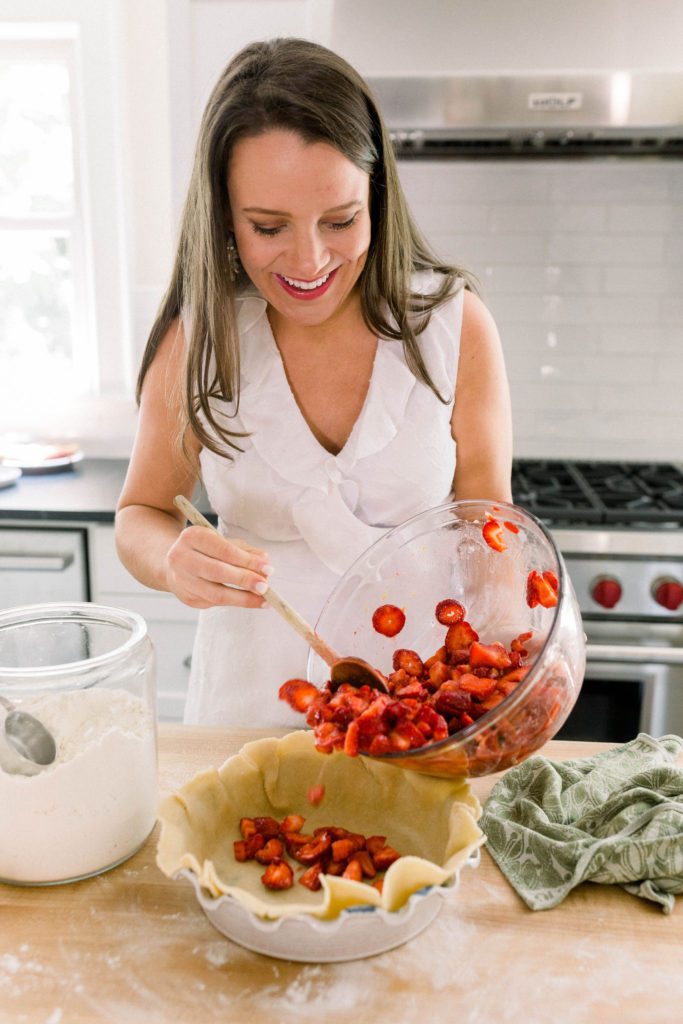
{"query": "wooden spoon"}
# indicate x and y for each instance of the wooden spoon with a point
(350, 670)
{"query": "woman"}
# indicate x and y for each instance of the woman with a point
(312, 363)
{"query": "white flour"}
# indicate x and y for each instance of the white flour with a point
(96, 804)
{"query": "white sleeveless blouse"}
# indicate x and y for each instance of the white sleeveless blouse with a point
(313, 512)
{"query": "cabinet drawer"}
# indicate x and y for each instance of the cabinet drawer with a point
(44, 564)
(171, 627)
(173, 647)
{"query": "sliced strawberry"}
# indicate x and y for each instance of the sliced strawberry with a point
(267, 827)
(414, 690)
(459, 637)
(515, 676)
(551, 579)
(439, 655)
(541, 589)
(335, 867)
(384, 858)
(315, 794)
(511, 527)
(388, 620)
(367, 866)
(247, 827)
(375, 843)
(278, 875)
(439, 672)
(314, 850)
(408, 661)
(449, 611)
(328, 737)
(479, 687)
(311, 877)
(292, 823)
(351, 740)
(493, 535)
(273, 848)
(353, 871)
(431, 722)
(246, 849)
(406, 736)
(518, 643)
(379, 745)
(294, 841)
(342, 849)
(299, 694)
(493, 655)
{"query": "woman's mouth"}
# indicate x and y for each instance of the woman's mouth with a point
(307, 289)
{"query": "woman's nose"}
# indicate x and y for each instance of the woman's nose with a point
(309, 255)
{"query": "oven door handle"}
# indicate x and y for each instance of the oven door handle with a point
(636, 654)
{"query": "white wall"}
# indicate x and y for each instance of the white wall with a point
(581, 262)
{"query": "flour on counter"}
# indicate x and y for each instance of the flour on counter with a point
(96, 804)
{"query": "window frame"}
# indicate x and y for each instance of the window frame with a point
(62, 48)
(90, 35)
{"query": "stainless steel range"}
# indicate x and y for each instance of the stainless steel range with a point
(619, 526)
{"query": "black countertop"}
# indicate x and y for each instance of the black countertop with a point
(86, 492)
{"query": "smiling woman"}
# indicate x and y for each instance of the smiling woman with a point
(303, 365)
(299, 242)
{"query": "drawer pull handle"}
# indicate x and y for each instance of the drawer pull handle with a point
(35, 563)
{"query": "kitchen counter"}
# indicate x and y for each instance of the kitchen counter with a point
(132, 946)
(87, 492)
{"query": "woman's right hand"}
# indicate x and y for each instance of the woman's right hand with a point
(205, 570)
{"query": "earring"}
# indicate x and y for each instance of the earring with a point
(234, 265)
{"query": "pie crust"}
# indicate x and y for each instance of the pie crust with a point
(432, 822)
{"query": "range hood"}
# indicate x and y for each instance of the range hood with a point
(520, 115)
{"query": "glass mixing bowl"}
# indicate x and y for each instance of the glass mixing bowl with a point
(442, 553)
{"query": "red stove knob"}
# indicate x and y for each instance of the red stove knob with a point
(669, 593)
(606, 591)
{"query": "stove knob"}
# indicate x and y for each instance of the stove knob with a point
(606, 591)
(668, 592)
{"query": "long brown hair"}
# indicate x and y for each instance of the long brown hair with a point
(306, 88)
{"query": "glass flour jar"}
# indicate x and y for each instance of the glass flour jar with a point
(87, 672)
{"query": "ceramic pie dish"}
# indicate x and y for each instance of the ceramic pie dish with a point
(431, 822)
(357, 932)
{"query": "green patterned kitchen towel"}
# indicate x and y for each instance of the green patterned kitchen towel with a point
(616, 817)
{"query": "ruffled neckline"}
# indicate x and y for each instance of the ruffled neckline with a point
(270, 412)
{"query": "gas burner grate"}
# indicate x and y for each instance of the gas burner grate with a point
(593, 492)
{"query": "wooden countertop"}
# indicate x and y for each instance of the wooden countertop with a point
(132, 946)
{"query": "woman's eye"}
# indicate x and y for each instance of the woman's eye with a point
(339, 226)
(261, 229)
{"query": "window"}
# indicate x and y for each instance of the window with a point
(44, 298)
(67, 368)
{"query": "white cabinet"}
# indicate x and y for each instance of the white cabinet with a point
(171, 624)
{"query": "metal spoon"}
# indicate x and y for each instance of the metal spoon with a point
(28, 736)
(351, 670)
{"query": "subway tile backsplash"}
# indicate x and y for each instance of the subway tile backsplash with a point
(581, 263)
